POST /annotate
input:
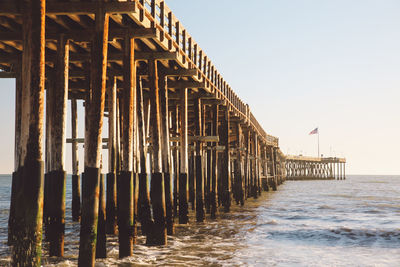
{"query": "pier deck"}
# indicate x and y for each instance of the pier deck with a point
(310, 168)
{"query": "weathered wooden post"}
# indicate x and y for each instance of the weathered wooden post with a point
(76, 183)
(166, 154)
(214, 165)
(111, 202)
(144, 212)
(239, 165)
(30, 171)
(265, 161)
(198, 110)
(93, 129)
(226, 166)
(344, 170)
(208, 169)
(183, 174)
(158, 235)
(101, 249)
(125, 185)
(192, 178)
(255, 164)
(175, 155)
(57, 185)
(273, 168)
(47, 174)
(247, 164)
(18, 135)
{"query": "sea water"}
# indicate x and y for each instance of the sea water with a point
(355, 222)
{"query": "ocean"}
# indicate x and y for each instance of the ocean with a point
(355, 222)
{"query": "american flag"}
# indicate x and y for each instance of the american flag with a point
(315, 131)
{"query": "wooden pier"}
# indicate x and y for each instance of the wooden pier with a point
(135, 64)
(309, 168)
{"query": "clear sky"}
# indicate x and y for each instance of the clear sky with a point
(299, 64)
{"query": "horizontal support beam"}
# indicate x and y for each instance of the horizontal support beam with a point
(82, 57)
(139, 56)
(73, 8)
(206, 139)
(87, 35)
(185, 84)
(180, 72)
(7, 75)
(82, 140)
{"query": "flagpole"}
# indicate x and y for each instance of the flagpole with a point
(318, 144)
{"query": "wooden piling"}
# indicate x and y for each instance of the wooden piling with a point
(158, 235)
(239, 175)
(247, 164)
(166, 154)
(226, 166)
(209, 170)
(101, 249)
(200, 214)
(125, 189)
(183, 174)
(192, 179)
(144, 212)
(47, 175)
(76, 187)
(257, 165)
(29, 198)
(18, 135)
(273, 169)
(111, 202)
(93, 130)
(175, 156)
(58, 100)
(214, 165)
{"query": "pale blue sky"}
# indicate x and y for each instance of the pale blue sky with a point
(299, 64)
